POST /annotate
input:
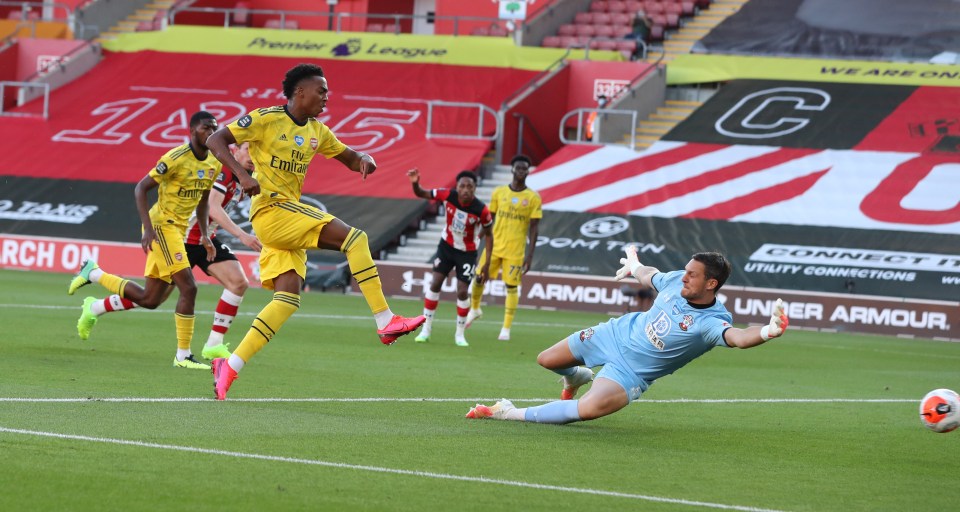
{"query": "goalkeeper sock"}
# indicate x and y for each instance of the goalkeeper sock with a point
(557, 413)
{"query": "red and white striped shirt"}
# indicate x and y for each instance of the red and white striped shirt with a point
(462, 228)
(226, 183)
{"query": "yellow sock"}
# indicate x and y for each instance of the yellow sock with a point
(357, 249)
(510, 306)
(267, 323)
(184, 330)
(113, 284)
(476, 293)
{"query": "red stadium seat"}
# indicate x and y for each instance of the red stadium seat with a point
(689, 8)
(568, 41)
(275, 23)
(634, 6)
(622, 30)
(480, 31)
(552, 42)
(586, 30)
(616, 6)
(598, 6)
(374, 27)
(567, 29)
(602, 31)
(656, 33)
(604, 45)
(673, 20)
(652, 7)
(498, 31)
(601, 18)
(583, 18)
(391, 28)
(621, 19)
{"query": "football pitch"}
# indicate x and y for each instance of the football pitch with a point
(327, 418)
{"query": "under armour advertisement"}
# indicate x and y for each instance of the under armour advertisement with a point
(822, 259)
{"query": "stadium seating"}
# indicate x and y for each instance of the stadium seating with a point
(288, 24)
(374, 27)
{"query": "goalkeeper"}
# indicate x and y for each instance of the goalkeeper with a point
(685, 322)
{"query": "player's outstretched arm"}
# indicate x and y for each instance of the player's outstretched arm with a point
(357, 162)
(414, 176)
(756, 335)
(632, 267)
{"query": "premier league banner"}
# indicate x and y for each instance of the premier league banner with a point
(814, 258)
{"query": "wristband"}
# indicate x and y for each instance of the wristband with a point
(765, 333)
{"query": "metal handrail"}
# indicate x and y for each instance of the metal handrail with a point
(61, 62)
(600, 111)
(587, 48)
(481, 108)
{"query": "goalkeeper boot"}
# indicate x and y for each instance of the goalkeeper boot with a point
(504, 334)
(223, 377)
(191, 363)
(399, 326)
(474, 314)
(497, 411)
(215, 351)
(83, 276)
(87, 318)
(572, 383)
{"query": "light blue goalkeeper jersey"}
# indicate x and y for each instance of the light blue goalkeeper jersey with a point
(672, 333)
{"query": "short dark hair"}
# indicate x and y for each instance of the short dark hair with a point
(520, 158)
(297, 73)
(467, 174)
(717, 267)
(199, 117)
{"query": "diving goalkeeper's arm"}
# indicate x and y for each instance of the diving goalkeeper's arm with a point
(633, 267)
(756, 335)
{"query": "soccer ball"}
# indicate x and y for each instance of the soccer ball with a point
(940, 410)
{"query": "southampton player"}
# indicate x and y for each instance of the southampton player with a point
(685, 322)
(517, 215)
(183, 178)
(465, 217)
(283, 140)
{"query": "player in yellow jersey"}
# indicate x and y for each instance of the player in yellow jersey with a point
(283, 140)
(517, 213)
(183, 178)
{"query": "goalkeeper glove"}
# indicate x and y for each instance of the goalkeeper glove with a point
(778, 323)
(630, 264)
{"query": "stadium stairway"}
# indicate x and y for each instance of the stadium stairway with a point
(662, 121)
(149, 17)
(691, 31)
(421, 246)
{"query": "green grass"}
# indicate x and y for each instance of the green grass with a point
(659, 454)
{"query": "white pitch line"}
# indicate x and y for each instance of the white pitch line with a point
(379, 469)
(300, 314)
(465, 400)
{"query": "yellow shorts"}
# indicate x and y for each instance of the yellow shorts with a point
(512, 268)
(167, 254)
(286, 230)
